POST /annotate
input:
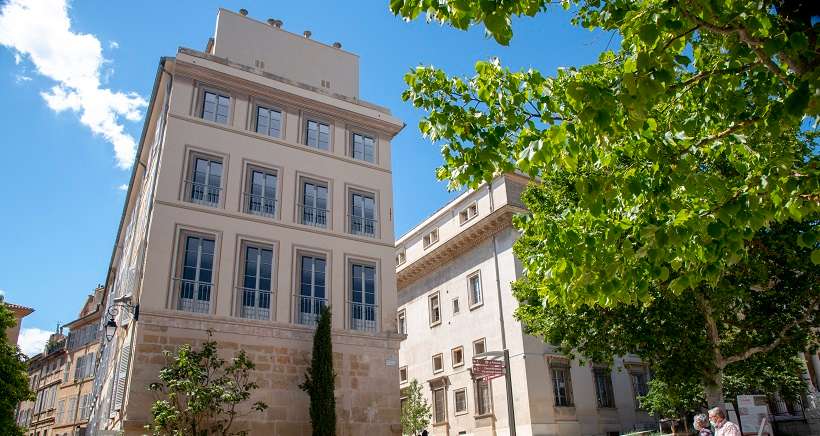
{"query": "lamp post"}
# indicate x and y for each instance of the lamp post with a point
(119, 305)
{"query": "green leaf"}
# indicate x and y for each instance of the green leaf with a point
(815, 257)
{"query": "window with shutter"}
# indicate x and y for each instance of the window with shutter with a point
(122, 371)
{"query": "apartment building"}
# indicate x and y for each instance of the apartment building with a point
(455, 302)
(45, 374)
(19, 313)
(262, 192)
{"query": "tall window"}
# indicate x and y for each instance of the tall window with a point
(439, 405)
(314, 204)
(402, 322)
(603, 387)
(215, 107)
(474, 282)
(483, 400)
(197, 275)
(639, 386)
(364, 148)
(562, 386)
(318, 135)
(362, 214)
(435, 310)
(260, 199)
(457, 356)
(403, 374)
(269, 122)
(205, 183)
(311, 288)
(256, 283)
(363, 297)
(460, 397)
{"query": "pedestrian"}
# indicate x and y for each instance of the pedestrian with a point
(424, 433)
(702, 425)
(723, 427)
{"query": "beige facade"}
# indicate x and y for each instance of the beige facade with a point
(19, 313)
(262, 192)
(45, 374)
(454, 272)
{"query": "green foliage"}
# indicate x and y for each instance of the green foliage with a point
(320, 379)
(13, 377)
(415, 413)
(673, 400)
(201, 395)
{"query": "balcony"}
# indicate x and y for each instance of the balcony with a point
(192, 295)
(362, 316)
(201, 193)
(362, 226)
(260, 205)
(312, 216)
(254, 303)
(308, 309)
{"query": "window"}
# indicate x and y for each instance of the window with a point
(430, 238)
(311, 288)
(196, 281)
(260, 194)
(435, 310)
(438, 363)
(85, 406)
(362, 217)
(401, 322)
(483, 399)
(478, 347)
(84, 367)
(269, 122)
(474, 283)
(457, 356)
(401, 257)
(561, 385)
(639, 386)
(468, 213)
(363, 297)
(456, 306)
(439, 405)
(71, 412)
(460, 397)
(318, 135)
(60, 412)
(215, 107)
(314, 204)
(257, 276)
(205, 182)
(363, 148)
(403, 374)
(603, 387)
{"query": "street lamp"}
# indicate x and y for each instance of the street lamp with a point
(120, 304)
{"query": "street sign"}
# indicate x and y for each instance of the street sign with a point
(487, 369)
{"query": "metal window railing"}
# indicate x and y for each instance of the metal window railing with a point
(362, 226)
(363, 316)
(313, 216)
(255, 303)
(308, 309)
(201, 193)
(192, 295)
(260, 205)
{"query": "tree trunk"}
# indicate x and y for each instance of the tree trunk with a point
(713, 388)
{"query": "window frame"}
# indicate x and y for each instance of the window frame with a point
(319, 120)
(247, 185)
(203, 89)
(351, 140)
(638, 371)
(483, 342)
(364, 193)
(443, 398)
(466, 408)
(403, 375)
(460, 350)
(401, 322)
(569, 394)
(266, 105)
(477, 394)
(467, 213)
(367, 263)
(401, 257)
(299, 253)
(456, 306)
(430, 238)
(610, 398)
(299, 210)
(475, 304)
(440, 357)
(243, 244)
(188, 177)
(437, 297)
(179, 263)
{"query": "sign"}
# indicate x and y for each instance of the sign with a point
(754, 412)
(487, 369)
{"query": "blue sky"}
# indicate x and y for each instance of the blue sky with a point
(61, 176)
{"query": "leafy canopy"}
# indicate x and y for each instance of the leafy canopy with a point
(201, 394)
(13, 377)
(680, 145)
(415, 412)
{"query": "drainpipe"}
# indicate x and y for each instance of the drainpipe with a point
(507, 369)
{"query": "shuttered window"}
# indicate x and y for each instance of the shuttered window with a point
(122, 375)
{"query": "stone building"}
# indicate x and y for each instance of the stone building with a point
(19, 313)
(454, 271)
(262, 191)
(45, 374)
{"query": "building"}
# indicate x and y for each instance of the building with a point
(455, 302)
(262, 191)
(19, 312)
(45, 374)
(75, 393)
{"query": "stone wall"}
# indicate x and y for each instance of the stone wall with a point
(367, 395)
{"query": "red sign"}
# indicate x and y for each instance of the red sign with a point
(487, 369)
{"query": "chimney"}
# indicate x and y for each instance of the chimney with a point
(243, 12)
(337, 44)
(275, 23)
(307, 33)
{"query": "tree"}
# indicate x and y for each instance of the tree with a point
(661, 165)
(13, 377)
(320, 379)
(201, 394)
(674, 401)
(415, 412)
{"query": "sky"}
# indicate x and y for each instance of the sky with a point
(76, 76)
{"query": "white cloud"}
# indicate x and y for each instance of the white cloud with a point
(40, 30)
(113, 45)
(32, 340)
(123, 187)
(20, 78)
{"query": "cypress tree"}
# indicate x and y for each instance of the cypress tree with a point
(319, 380)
